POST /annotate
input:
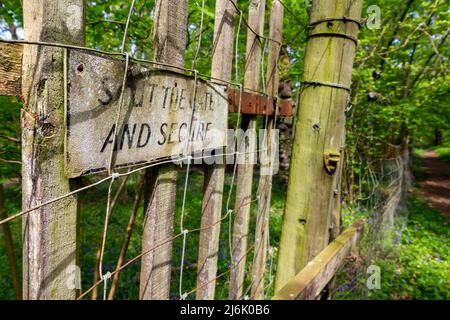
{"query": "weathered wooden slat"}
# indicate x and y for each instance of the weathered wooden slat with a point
(310, 197)
(10, 69)
(267, 169)
(50, 232)
(160, 197)
(313, 278)
(244, 178)
(215, 175)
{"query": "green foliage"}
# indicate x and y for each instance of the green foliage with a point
(408, 54)
(418, 267)
(414, 265)
(13, 204)
(419, 152)
(105, 26)
(9, 138)
(405, 66)
(444, 153)
(10, 13)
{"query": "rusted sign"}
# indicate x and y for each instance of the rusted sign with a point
(158, 118)
(257, 104)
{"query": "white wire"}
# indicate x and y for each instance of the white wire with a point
(105, 229)
(194, 61)
(119, 112)
(263, 55)
(236, 60)
(110, 166)
(127, 24)
(185, 232)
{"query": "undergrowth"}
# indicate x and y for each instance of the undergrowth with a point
(413, 258)
(92, 215)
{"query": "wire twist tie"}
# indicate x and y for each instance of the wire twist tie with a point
(184, 296)
(106, 276)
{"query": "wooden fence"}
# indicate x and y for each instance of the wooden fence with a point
(73, 95)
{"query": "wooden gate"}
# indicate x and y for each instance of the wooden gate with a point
(113, 115)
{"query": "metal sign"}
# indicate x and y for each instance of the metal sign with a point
(158, 118)
(257, 104)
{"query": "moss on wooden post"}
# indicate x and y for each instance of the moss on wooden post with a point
(49, 233)
(327, 73)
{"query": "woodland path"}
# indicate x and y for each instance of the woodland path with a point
(435, 183)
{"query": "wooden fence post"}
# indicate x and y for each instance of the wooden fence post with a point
(265, 180)
(215, 174)
(170, 44)
(49, 233)
(318, 139)
(245, 168)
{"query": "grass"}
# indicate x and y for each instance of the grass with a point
(91, 222)
(414, 259)
(419, 263)
(414, 265)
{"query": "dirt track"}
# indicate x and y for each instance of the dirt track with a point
(435, 185)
